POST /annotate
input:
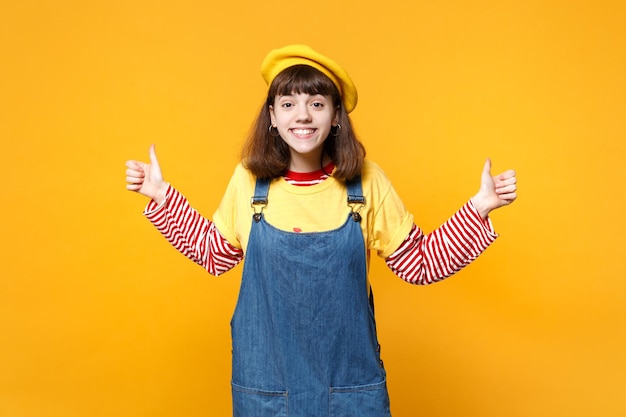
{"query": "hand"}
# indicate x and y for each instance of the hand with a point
(146, 179)
(495, 192)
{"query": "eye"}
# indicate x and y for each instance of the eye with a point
(318, 104)
(286, 105)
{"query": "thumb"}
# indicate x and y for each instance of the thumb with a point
(487, 167)
(486, 180)
(153, 158)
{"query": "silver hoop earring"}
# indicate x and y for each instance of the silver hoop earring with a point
(272, 134)
(337, 130)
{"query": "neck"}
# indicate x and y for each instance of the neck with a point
(308, 164)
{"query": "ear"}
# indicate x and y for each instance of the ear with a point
(336, 116)
(272, 116)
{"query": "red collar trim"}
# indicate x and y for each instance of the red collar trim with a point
(311, 176)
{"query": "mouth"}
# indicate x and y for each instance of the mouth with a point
(303, 133)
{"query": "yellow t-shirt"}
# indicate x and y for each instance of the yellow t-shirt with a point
(321, 207)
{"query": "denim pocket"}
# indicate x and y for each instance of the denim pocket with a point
(360, 401)
(251, 402)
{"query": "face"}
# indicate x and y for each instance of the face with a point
(304, 122)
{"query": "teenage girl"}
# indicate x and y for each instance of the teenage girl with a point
(305, 209)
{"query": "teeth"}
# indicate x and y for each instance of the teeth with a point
(303, 131)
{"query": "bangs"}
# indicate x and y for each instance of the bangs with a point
(303, 79)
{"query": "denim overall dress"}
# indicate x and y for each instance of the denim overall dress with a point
(304, 336)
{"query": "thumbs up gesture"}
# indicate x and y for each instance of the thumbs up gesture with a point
(495, 192)
(146, 179)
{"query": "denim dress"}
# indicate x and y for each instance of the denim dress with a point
(303, 332)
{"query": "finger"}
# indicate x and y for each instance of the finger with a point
(506, 189)
(505, 183)
(135, 172)
(506, 174)
(502, 181)
(153, 157)
(133, 164)
(134, 180)
(509, 197)
(487, 167)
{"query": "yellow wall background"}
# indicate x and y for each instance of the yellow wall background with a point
(99, 316)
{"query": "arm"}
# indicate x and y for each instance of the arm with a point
(193, 235)
(424, 259)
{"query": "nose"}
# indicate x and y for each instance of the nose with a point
(304, 114)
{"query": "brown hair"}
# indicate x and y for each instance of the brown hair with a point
(267, 156)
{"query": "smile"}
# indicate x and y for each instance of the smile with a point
(303, 132)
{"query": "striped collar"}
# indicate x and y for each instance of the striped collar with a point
(309, 178)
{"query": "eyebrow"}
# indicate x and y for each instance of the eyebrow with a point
(295, 94)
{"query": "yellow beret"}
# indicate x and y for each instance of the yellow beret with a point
(279, 59)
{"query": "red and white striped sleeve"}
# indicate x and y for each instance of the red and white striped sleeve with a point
(191, 234)
(425, 259)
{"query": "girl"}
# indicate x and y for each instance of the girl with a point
(306, 209)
